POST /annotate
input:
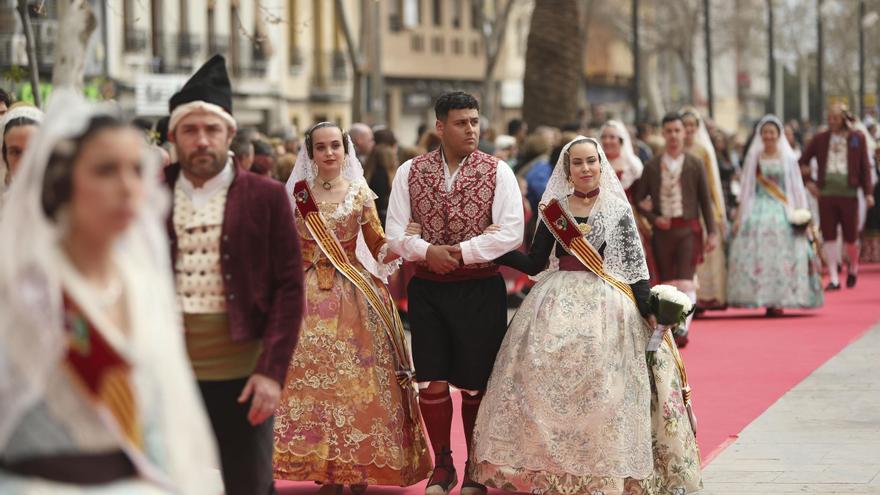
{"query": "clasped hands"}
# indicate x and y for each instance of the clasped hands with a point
(443, 259)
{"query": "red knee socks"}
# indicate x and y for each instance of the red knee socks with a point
(437, 413)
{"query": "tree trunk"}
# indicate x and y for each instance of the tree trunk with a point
(554, 62)
(76, 24)
(33, 63)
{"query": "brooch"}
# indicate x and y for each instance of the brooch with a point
(585, 228)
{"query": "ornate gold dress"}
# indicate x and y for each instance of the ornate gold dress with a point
(343, 417)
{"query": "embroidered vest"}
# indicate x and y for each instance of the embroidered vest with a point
(671, 205)
(460, 214)
(199, 279)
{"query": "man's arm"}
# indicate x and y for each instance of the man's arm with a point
(507, 213)
(410, 248)
(641, 190)
(287, 290)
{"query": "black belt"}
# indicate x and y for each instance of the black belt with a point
(77, 469)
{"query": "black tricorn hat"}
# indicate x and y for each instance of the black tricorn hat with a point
(209, 84)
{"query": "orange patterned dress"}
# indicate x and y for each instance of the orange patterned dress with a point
(343, 417)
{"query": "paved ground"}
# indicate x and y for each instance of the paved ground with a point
(823, 436)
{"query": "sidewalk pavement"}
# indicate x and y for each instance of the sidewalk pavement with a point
(823, 436)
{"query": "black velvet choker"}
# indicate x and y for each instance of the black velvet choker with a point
(591, 194)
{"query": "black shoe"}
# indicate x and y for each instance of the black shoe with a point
(832, 286)
(850, 280)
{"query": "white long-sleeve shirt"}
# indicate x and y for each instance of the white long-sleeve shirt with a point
(507, 212)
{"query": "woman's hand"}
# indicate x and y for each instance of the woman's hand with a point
(652, 320)
(492, 229)
(413, 228)
(736, 226)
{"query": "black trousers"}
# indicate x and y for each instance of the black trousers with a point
(245, 450)
(457, 329)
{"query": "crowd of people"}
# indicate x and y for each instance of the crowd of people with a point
(185, 297)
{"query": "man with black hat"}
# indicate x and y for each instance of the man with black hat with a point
(239, 276)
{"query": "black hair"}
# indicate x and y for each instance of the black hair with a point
(58, 180)
(566, 157)
(384, 136)
(322, 125)
(514, 126)
(455, 100)
(671, 117)
(263, 148)
(571, 127)
(5, 98)
(778, 129)
(12, 124)
(242, 145)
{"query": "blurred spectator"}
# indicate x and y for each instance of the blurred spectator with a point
(487, 136)
(409, 152)
(429, 141)
(362, 137)
(386, 137)
(423, 127)
(794, 139)
(535, 171)
(642, 149)
(727, 170)
(379, 171)
(519, 130)
(283, 167)
(264, 158)
(505, 149)
(243, 149)
(551, 135)
(647, 133)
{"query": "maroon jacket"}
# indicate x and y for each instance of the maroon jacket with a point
(858, 164)
(261, 265)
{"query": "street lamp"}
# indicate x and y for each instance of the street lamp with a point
(636, 63)
(707, 33)
(771, 58)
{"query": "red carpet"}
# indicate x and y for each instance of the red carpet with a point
(739, 364)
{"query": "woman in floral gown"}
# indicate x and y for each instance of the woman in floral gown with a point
(572, 407)
(347, 413)
(772, 265)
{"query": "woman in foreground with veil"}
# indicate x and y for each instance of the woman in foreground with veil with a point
(348, 413)
(572, 407)
(96, 392)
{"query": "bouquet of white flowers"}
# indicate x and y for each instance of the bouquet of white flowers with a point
(671, 307)
(800, 218)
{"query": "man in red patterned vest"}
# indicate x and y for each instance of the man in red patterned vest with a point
(457, 299)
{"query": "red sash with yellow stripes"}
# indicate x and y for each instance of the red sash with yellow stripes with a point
(331, 247)
(104, 375)
(771, 187)
(567, 233)
(774, 190)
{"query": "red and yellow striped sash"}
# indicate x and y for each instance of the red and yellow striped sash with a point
(104, 375)
(567, 233)
(331, 247)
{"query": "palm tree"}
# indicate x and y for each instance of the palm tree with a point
(554, 64)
